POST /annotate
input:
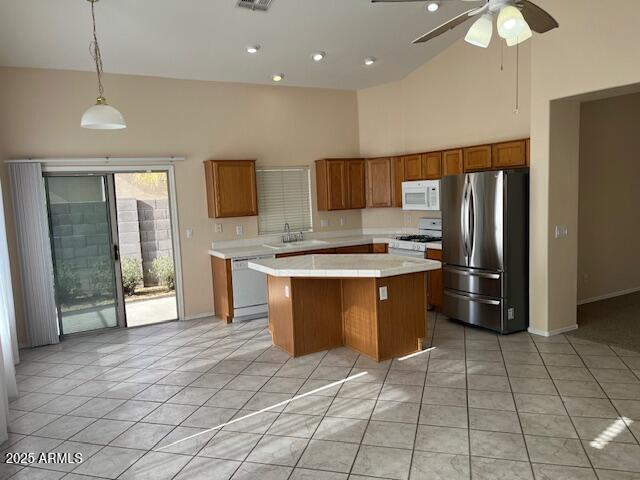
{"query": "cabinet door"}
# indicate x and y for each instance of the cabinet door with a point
(336, 185)
(452, 162)
(510, 154)
(413, 168)
(435, 288)
(398, 178)
(354, 249)
(432, 165)
(379, 182)
(477, 158)
(231, 188)
(357, 183)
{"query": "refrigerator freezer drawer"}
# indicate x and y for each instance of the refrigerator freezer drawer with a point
(473, 281)
(473, 309)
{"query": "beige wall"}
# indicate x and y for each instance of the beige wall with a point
(461, 97)
(40, 113)
(609, 223)
(592, 50)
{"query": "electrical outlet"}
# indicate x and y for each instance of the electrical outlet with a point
(343, 221)
(218, 228)
(324, 222)
(239, 230)
(189, 233)
(561, 231)
(384, 294)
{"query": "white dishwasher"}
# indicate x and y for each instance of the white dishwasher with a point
(249, 288)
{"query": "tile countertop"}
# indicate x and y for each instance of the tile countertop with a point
(334, 242)
(343, 265)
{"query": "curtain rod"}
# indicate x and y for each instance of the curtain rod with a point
(98, 160)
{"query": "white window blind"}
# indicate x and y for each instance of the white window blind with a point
(284, 196)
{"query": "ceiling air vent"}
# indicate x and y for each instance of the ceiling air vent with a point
(262, 5)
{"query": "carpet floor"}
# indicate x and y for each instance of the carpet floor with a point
(615, 321)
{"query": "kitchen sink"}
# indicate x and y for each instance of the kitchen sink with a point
(291, 245)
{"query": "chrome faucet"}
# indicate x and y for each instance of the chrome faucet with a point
(288, 237)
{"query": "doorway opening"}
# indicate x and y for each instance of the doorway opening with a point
(113, 249)
(146, 247)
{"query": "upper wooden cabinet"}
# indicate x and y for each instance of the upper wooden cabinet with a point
(510, 154)
(231, 188)
(341, 183)
(357, 183)
(452, 162)
(477, 158)
(397, 164)
(413, 168)
(379, 183)
(432, 165)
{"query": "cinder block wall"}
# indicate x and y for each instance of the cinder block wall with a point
(155, 234)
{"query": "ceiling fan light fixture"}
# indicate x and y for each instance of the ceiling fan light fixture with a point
(525, 35)
(511, 23)
(433, 6)
(481, 31)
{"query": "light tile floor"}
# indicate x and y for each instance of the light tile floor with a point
(140, 403)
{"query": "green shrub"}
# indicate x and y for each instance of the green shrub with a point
(131, 274)
(162, 268)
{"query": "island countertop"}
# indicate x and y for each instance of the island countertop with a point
(343, 266)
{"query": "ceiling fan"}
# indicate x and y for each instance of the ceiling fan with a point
(515, 21)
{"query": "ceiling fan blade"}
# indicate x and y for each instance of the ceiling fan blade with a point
(451, 24)
(402, 1)
(538, 19)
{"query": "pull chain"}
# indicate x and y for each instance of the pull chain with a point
(501, 56)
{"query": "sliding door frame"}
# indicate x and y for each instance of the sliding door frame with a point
(109, 170)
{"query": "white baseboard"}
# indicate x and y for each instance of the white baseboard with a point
(551, 333)
(197, 316)
(609, 295)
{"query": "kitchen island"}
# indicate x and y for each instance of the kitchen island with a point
(372, 303)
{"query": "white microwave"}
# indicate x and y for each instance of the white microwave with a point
(421, 195)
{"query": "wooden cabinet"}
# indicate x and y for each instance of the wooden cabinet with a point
(231, 188)
(379, 183)
(435, 288)
(380, 248)
(355, 249)
(222, 288)
(356, 183)
(340, 183)
(432, 165)
(398, 178)
(413, 168)
(510, 154)
(452, 162)
(477, 158)
(323, 251)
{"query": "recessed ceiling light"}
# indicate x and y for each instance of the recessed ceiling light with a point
(253, 49)
(318, 56)
(278, 77)
(369, 61)
(433, 6)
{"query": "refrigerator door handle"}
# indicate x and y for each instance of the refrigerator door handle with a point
(466, 273)
(470, 298)
(464, 217)
(472, 219)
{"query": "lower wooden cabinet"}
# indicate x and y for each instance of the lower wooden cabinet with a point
(355, 249)
(435, 288)
(477, 158)
(452, 162)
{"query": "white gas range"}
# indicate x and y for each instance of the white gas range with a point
(416, 245)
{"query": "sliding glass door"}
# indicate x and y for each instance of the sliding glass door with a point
(85, 252)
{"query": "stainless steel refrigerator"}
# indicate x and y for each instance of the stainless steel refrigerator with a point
(485, 248)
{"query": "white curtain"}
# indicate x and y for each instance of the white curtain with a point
(8, 340)
(36, 264)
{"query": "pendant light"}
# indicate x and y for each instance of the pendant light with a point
(511, 23)
(481, 31)
(100, 116)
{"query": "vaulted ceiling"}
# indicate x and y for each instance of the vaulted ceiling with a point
(207, 39)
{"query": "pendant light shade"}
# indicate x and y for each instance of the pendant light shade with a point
(523, 36)
(511, 23)
(481, 31)
(102, 116)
